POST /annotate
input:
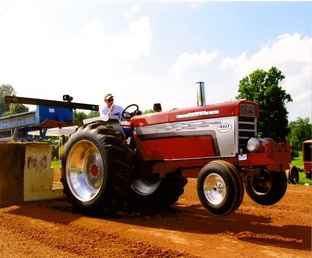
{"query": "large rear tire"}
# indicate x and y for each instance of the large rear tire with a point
(267, 188)
(219, 188)
(97, 167)
(154, 193)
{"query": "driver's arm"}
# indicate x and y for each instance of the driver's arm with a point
(117, 112)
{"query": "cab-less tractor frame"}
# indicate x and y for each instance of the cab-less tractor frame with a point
(106, 169)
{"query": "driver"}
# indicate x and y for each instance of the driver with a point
(110, 110)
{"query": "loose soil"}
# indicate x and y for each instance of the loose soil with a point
(53, 229)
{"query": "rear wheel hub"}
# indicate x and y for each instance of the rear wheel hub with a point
(85, 171)
(94, 171)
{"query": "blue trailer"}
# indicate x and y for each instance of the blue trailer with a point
(48, 114)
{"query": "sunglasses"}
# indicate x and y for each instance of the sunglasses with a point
(110, 100)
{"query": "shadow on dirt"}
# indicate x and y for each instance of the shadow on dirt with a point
(245, 227)
(190, 219)
(60, 211)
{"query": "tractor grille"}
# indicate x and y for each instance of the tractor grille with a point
(247, 128)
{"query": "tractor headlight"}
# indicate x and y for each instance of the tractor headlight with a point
(253, 144)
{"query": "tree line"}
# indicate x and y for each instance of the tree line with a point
(263, 87)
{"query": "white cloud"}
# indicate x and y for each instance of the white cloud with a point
(47, 50)
(137, 41)
(40, 58)
(292, 53)
(132, 11)
(193, 61)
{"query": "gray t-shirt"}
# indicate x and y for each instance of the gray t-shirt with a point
(114, 112)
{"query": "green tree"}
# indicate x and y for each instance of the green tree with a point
(299, 131)
(93, 114)
(5, 90)
(18, 108)
(15, 109)
(5, 109)
(79, 116)
(264, 88)
(148, 111)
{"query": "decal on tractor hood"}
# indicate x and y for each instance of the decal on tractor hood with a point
(199, 113)
(220, 129)
(224, 127)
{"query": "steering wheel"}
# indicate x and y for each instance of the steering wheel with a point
(127, 114)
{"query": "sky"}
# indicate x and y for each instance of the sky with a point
(154, 50)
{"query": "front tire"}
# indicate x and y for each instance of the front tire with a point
(219, 188)
(267, 188)
(235, 173)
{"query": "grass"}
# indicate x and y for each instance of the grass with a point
(56, 164)
(298, 162)
(303, 179)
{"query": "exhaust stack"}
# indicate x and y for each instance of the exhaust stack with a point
(201, 96)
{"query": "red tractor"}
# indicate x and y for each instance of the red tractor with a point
(143, 162)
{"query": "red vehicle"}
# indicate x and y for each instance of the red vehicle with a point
(144, 162)
(307, 158)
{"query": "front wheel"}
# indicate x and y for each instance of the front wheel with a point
(267, 188)
(219, 188)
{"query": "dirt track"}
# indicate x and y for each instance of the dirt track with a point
(50, 229)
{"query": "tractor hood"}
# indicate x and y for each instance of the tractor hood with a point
(225, 109)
